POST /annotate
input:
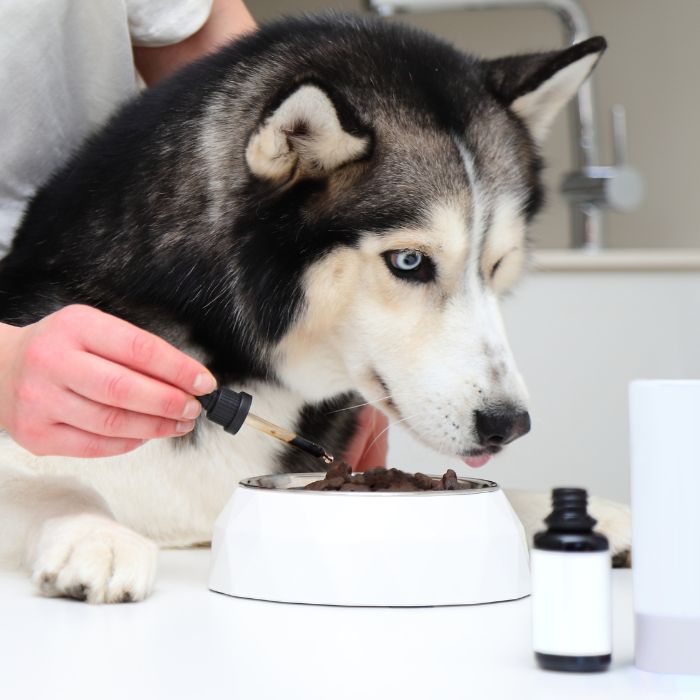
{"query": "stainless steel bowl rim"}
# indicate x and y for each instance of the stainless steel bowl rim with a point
(483, 486)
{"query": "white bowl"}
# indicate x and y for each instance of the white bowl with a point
(377, 548)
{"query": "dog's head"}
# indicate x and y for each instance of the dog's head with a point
(404, 174)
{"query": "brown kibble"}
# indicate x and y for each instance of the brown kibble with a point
(404, 486)
(349, 486)
(316, 485)
(378, 478)
(423, 481)
(449, 480)
(340, 478)
(342, 470)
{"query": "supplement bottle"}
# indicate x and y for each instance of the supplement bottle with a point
(571, 579)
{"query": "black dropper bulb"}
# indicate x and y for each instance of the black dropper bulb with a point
(227, 408)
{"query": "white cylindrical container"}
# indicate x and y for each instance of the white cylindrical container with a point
(665, 459)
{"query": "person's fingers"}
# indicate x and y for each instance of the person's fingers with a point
(126, 344)
(377, 446)
(370, 443)
(67, 441)
(110, 384)
(109, 421)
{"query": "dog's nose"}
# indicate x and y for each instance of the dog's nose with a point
(496, 428)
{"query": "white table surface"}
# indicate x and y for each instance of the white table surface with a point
(187, 642)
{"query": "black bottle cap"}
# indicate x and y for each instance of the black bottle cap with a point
(569, 510)
(569, 526)
(227, 408)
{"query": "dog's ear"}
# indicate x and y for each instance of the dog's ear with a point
(307, 135)
(536, 86)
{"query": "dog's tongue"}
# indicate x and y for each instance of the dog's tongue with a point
(477, 461)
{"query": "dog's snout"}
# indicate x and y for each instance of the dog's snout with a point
(496, 428)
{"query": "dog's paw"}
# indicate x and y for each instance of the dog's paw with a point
(614, 520)
(93, 558)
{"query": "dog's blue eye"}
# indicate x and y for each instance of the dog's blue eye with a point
(409, 264)
(406, 259)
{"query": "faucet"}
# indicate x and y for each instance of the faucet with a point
(590, 186)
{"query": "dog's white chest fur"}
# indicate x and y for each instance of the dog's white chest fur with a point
(172, 490)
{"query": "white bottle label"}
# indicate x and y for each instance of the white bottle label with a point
(571, 607)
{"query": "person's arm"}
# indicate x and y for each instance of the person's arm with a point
(82, 383)
(228, 19)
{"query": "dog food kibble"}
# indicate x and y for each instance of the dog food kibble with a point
(340, 478)
(449, 480)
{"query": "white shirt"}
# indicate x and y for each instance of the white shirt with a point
(65, 65)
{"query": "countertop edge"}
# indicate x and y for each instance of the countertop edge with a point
(622, 260)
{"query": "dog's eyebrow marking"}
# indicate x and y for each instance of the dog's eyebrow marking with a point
(479, 213)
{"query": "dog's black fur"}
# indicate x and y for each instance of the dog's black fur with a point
(124, 225)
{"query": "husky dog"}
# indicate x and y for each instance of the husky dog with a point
(327, 208)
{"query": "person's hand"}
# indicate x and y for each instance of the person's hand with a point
(82, 383)
(370, 443)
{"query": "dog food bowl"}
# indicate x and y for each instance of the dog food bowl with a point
(276, 542)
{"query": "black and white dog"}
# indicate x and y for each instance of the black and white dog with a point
(329, 207)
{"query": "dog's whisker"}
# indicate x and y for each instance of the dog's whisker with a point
(359, 405)
(369, 403)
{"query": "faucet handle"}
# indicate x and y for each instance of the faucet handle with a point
(619, 187)
(619, 134)
(624, 190)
